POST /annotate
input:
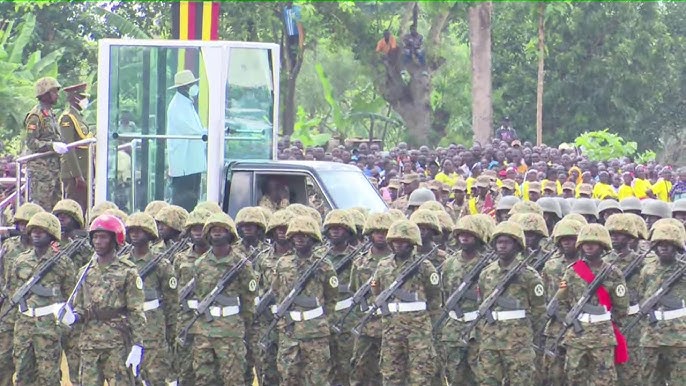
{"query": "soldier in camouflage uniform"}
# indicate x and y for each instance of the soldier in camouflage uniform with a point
(366, 351)
(304, 355)
(161, 299)
(11, 249)
(359, 217)
(219, 348)
(458, 203)
(183, 267)
(591, 354)
(170, 224)
(155, 207)
(505, 204)
(339, 230)
(429, 227)
(623, 234)
(564, 237)
(42, 135)
(410, 183)
(505, 346)
(535, 233)
(408, 355)
(663, 347)
(110, 306)
(99, 209)
(552, 214)
(71, 219)
(210, 206)
(265, 360)
(251, 225)
(36, 336)
(458, 358)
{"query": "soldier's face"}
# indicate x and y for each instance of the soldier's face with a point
(379, 239)
(459, 195)
(137, 236)
(164, 230)
(467, 241)
(53, 95)
(40, 238)
(68, 224)
(619, 241)
(220, 237)
(665, 251)
(103, 242)
(402, 248)
(532, 239)
(592, 250)
(534, 196)
(505, 247)
(247, 230)
(337, 234)
(21, 226)
(302, 243)
(568, 245)
(426, 233)
(650, 220)
(280, 235)
(196, 235)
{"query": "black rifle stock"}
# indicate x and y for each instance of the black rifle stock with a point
(539, 263)
(381, 301)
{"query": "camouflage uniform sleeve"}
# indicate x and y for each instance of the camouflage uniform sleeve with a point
(33, 133)
(330, 289)
(170, 304)
(248, 292)
(134, 305)
(69, 279)
(354, 279)
(536, 299)
(643, 278)
(432, 286)
(619, 295)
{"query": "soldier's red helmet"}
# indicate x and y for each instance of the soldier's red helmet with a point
(109, 223)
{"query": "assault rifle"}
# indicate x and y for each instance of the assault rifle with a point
(649, 305)
(487, 305)
(344, 262)
(453, 302)
(19, 296)
(632, 268)
(539, 263)
(206, 302)
(175, 248)
(77, 288)
(359, 298)
(381, 301)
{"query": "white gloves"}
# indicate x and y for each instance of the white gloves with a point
(60, 147)
(68, 316)
(134, 359)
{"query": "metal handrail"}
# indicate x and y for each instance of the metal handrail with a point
(7, 201)
(9, 181)
(71, 145)
(160, 136)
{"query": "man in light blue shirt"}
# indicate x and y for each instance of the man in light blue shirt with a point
(294, 30)
(186, 158)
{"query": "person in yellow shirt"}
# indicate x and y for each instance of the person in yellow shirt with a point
(531, 176)
(660, 190)
(447, 175)
(641, 184)
(602, 188)
(626, 190)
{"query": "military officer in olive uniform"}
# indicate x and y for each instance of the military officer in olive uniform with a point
(75, 164)
(43, 135)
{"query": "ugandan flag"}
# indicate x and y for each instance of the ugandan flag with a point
(195, 20)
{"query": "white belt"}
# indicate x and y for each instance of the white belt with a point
(669, 315)
(590, 318)
(508, 315)
(344, 304)
(42, 311)
(633, 309)
(224, 311)
(467, 317)
(300, 316)
(406, 307)
(151, 305)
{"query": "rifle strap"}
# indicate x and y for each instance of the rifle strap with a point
(584, 271)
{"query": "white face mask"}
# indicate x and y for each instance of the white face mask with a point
(194, 90)
(83, 103)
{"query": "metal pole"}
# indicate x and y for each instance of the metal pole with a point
(91, 179)
(17, 169)
(134, 146)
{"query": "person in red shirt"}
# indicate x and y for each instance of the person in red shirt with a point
(387, 44)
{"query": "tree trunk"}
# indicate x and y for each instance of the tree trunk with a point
(288, 119)
(541, 73)
(480, 47)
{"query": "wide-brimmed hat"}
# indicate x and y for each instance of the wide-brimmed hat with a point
(183, 78)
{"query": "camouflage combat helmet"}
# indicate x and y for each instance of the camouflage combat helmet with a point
(631, 203)
(426, 218)
(71, 208)
(594, 233)
(302, 210)
(679, 206)
(305, 225)
(670, 221)
(280, 218)
(362, 210)
(266, 212)
(198, 216)
(656, 208)
(445, 220)
(341, 218)
(26, 211)
(405, 230)
(526, 207)
(378, 222)
(566, 228)
(474, 226)
(621, 223)
(99, 209)
(251, 215)
(396, 214)
(118, 213)
(550, 205)
(585, 206)
(531, 222)
(565, 206)
(420, 196)
(669, 233)
(43, 85)
(47, 222)
(608, 204)
(172, 217)
(512, 229)
(432, 205)
(154, 207)
(358, 217)
(210, 206)
(507, 202)
(576, 217)
(487, 221)
(143, 221)
(221, 220)
(639, 224)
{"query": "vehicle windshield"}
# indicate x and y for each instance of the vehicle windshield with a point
(350, 189)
